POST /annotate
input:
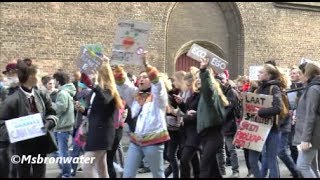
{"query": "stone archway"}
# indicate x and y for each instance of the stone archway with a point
(183, 62)
(218, 23)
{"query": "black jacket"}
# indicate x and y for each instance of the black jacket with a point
(190, 122)
(17, 105)
(264, 88)
(101, 124)
(230, 126)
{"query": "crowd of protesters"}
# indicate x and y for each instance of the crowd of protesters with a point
(189, 120)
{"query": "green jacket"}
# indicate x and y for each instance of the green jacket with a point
(210, 108)
(65, 108)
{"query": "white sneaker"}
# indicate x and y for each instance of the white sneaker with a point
(117, 168)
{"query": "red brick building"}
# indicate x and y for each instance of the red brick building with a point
(244, 33)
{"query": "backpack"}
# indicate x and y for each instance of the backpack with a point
(284, 104)
(238, 107)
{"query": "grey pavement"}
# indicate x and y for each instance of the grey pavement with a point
(53, 170)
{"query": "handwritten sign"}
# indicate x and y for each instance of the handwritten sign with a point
(89, 59)
(304, 60)
(24, 128)
(253, 131)
(130, 40)
(254, 72)
(216, 63)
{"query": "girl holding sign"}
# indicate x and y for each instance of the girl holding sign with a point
(210, 117)
(23, 102)
(103, 101)
(271, 81)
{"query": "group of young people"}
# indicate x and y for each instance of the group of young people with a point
(189, 120)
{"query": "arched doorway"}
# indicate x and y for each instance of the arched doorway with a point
(183, 63)
(221, 25)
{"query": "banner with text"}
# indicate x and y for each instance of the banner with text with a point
(254, 72)
(24, 128)
(216, 63)
(130, 42)
(89, 59)
(253, 130)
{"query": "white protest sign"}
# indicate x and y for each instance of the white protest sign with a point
(24, 128)
(216, 63)
(254, 72)
(89, 59)
(253, 131)
(292, 97)
(304, 60)
(130, 42)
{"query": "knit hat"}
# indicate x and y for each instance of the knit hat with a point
(227, 74)
(221, 76)
(9, 67)
(86, 80)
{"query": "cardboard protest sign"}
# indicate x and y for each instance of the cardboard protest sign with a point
(89, 59)
(216, 63)
(292, 97)
(130, 42)
(304, 60)
(254, 72)
(253, 131)
(24, 128)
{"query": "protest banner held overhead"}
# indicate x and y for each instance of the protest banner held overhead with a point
(89, 58)
(254, 72)
(253, 130)
(216, 63)
(24, 128)
(130, 42)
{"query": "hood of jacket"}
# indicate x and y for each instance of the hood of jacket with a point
(70, 88)
(264, 84)
(314, 81)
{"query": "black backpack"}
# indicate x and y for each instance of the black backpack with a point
(238, 108)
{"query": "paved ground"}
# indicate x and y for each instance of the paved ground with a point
(53, 171)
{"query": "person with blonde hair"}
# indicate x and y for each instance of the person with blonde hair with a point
(104, 100)
(307, 127)
(188, 106)
(211, 115)
(174, 125)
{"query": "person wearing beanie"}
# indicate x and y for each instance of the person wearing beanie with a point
(12, 81)
(86, 80)
(229, 128)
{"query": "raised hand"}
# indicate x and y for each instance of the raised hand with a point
(144, 58)
(178, 99)
(204, 63)
(105, 58)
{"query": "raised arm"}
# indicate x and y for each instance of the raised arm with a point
(125, 87)
(158, 88)
(206, 83)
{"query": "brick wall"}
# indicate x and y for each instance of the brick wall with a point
(284, 34)
(52, 33)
